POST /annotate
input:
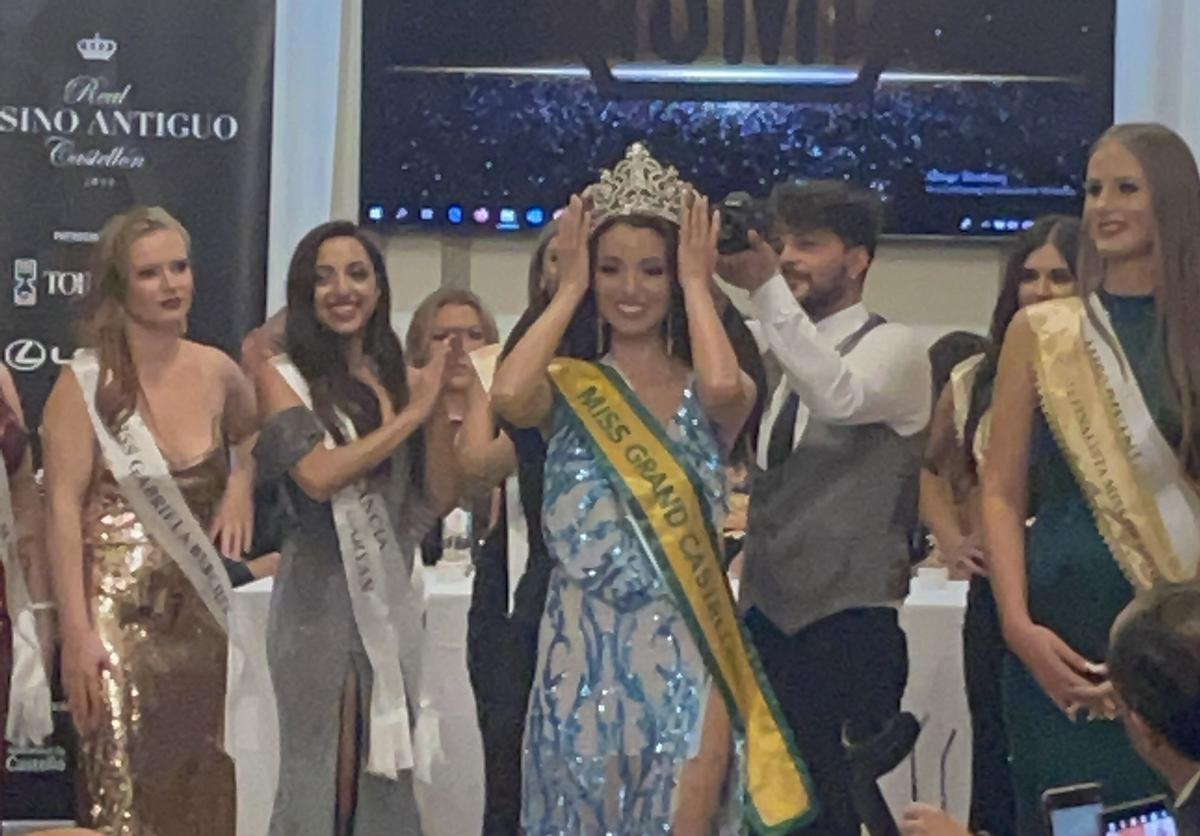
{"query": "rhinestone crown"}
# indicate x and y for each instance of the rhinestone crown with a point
(638, 185)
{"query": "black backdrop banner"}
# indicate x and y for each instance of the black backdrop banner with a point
(107, 104)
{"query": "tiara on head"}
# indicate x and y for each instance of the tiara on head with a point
(638, 185)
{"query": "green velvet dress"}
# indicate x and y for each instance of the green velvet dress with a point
(1077, 589)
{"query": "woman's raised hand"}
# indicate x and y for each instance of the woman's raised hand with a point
(574, 229)
(699, 230)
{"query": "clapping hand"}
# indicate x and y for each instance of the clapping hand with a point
(425, 384)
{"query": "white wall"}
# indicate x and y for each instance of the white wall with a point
(935, 286)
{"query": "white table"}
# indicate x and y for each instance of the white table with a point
(452, 804)
(932, 618)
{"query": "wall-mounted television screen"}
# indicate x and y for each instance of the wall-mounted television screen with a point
(970, 117)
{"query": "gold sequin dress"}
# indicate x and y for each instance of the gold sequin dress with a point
(156, 766)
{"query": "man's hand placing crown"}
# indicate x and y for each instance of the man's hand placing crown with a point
(751, 268)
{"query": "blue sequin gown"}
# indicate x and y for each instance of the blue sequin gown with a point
(619, 691)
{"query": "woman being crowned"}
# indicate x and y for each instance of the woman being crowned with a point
(639, 619)
(1095, 415)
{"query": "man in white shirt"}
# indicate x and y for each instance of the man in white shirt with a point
(834, 496)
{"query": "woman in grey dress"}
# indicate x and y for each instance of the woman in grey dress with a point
(343, 413)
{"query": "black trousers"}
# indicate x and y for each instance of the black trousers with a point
(845, 671)
(501, 655)
(501, 659)
(993, 808)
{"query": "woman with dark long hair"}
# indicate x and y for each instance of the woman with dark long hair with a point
(345, 421)
(148, 473)
(1040, 266)
(631, 379)
(1095, 417)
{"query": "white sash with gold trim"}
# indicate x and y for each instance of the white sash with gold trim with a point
(1156, 462)
(1146, 508)
(387, 607)
(146, 482)
(29, 716)
(962, 385)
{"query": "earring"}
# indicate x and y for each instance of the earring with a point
(670, 335)
(599, 335)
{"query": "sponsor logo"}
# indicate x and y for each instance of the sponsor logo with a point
(73, 236)
(97, 125)
(36, 759)
(67, 282)
(96, 48)
(28, 355)
(53, 282)
(25, 275)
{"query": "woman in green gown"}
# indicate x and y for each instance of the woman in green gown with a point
(1088, 390)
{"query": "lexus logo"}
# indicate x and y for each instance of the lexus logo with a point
(28, 355)
(25, 355)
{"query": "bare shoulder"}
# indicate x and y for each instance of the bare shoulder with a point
(212, 364)
(210, 359)
(1050, 315)
(274, 393)
(1018, 354)
(1020, 335)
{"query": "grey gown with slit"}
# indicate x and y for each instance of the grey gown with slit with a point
(313, 647)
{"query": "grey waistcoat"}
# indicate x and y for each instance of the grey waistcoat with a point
(829, 527)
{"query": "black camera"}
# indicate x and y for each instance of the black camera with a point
(741, 213)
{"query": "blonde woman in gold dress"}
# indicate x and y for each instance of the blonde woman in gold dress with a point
(144, 654)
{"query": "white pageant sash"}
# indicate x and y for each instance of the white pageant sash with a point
(29, 716)
(386, 605)
(1153, 458)
(150, 489)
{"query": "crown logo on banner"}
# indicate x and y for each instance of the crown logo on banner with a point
(638, 185)
(96, 48)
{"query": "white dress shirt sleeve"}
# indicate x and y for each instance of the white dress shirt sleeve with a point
(886, 379)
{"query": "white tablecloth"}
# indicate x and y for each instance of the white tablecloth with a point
(932, 618)
(452, 805)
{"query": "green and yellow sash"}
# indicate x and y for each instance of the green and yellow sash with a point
(667, 503)
(1146, 508)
